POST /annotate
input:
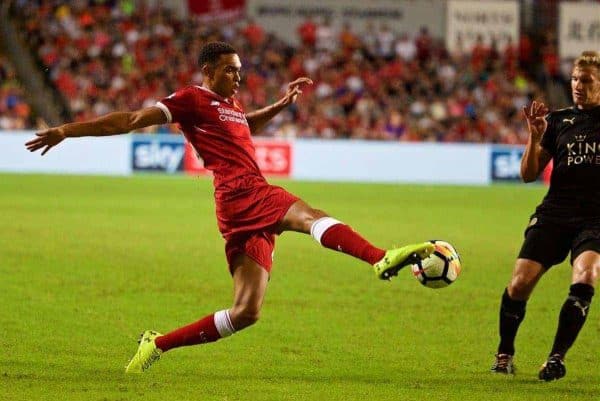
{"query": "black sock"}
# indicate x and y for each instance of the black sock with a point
(572, 317)
(512, 313)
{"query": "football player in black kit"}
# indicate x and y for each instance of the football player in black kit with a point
(567, 220)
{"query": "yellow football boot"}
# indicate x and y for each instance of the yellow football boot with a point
(146, 354)
(396, 259)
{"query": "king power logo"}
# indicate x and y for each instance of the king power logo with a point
(582, 151)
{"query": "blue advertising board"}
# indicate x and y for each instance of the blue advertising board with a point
(506, 163)
(157, 153)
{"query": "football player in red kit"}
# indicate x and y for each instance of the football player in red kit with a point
(250, 211)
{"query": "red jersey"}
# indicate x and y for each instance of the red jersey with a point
(248, 209)
(217, 129)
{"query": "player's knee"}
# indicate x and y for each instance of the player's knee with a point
(300, 217)
(586, 273)
(316, 214)
(310, 216)
(520, 287)
(243, 316)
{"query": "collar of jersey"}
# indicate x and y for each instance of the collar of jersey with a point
(226, 100)
(594, 110)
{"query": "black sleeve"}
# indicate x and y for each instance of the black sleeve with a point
(549, 138)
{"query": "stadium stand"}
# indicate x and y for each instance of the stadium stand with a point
(105, 56)
(15, 112)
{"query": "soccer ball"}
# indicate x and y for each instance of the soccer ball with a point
(441, 268)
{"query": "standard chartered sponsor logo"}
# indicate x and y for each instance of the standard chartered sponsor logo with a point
(231, 115)
(582, 152)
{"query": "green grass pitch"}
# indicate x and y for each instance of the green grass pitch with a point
(87, 263)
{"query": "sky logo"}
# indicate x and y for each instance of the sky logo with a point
(506, 164)
(157, 155)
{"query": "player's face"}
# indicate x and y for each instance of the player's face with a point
(224, 77)
(585, 87)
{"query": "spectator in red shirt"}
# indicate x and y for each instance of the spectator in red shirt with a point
(479, 54)
(254, 33)
(424, 43)
(307, 32)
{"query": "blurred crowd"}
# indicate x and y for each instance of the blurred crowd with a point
(15, 113)
(375, 84)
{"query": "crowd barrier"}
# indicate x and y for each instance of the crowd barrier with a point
(302, 159)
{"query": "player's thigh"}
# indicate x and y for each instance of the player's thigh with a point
(300, 217)
(546, 242)
(258, 246)
(544, 246)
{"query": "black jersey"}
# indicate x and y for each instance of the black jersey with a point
(573, 140)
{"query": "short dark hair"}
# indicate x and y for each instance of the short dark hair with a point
(210, 52)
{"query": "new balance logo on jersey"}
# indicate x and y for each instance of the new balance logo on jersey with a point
(214, 103)
(569, 120)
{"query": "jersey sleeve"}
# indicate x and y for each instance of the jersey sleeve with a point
(180, 107)
(549, 138)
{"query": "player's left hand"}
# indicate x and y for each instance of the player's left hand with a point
(293, 90)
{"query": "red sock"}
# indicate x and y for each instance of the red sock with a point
(342, 238)
(202, 331)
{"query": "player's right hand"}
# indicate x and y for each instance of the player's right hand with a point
(46, 139)
(536, 120)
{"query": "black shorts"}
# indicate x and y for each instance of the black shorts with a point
(548, 241)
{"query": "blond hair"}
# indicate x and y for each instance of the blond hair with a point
(588, 58)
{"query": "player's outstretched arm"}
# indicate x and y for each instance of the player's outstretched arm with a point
(535, 158)
(259, 118)
(109, 124)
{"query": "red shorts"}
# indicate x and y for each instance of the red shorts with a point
(248, 220)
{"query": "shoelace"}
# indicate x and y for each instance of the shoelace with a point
(502, 361)
(554, 363)
(151, 359)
